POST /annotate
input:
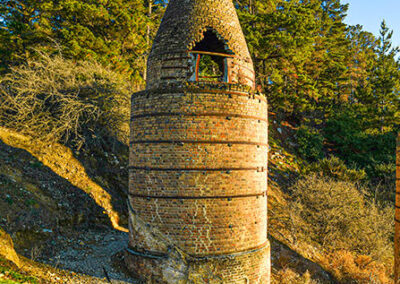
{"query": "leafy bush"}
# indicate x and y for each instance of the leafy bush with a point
(357, 143)
(335, 168)
(56, 99)
(310, 143)
(337, 216)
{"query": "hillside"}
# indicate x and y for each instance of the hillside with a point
(56, 218)
(59, 216)
(68, 69)
(341, 265)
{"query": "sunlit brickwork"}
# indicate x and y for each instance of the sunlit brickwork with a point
(198, 156)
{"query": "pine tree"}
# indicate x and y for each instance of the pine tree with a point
(111, 32)
(301, 54)
(384, 97)
(24, 25)
(364, 131)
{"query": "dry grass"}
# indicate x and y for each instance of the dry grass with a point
(348, 267)
(353, 235)
(288, 276)
(61, 160)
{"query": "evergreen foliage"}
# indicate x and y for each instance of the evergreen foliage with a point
(111, 32)
(68, 68)
(337, 83)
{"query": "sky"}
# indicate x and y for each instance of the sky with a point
(370, 13)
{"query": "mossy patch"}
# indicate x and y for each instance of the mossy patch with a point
(9, 275)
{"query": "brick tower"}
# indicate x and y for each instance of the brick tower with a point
(198, 154)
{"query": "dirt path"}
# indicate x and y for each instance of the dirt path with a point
(91, 254)
(63, 213)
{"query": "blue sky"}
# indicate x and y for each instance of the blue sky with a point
(370, 13)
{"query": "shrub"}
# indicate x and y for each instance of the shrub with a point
(355, 143)
(57, 99)
(348, 268)
(335, 168)
(289, 276)
(337, 216)
(310, 143)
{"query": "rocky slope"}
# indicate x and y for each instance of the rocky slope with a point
(66, 215)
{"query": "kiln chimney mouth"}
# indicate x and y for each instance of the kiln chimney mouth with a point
(209, 58)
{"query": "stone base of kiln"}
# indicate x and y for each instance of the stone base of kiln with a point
(246, 267)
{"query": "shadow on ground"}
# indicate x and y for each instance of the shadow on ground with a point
(54, 222)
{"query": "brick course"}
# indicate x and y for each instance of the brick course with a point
(198, 159)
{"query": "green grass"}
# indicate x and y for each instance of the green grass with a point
(8, 282)
(13, 277)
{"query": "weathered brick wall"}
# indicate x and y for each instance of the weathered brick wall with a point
(210, 226)
(198, 159)
(182, 27)
(199, 175)
(185, 21)
(243, 268)
(397, 216)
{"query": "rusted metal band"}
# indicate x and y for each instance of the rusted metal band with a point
(197, 197)
(398, 221)
(258, 169)
(147, 254)
(160, 54)
(194, 258)
(209, 87)
(217, 114)
(230, 255)
(209, 77)
(175, 67)
(197, 67)
(175, 58)
(172, 77)
(208, 81)
(205, 91)
(245, 59)
(397, 206)
(181, 142)
(213, 53)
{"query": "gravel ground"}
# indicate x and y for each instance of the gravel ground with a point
(91, 254)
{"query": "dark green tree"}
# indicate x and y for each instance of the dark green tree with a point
(383, 100)
(24, 25)
(363, 131)
(111, 32)
(301, 54)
